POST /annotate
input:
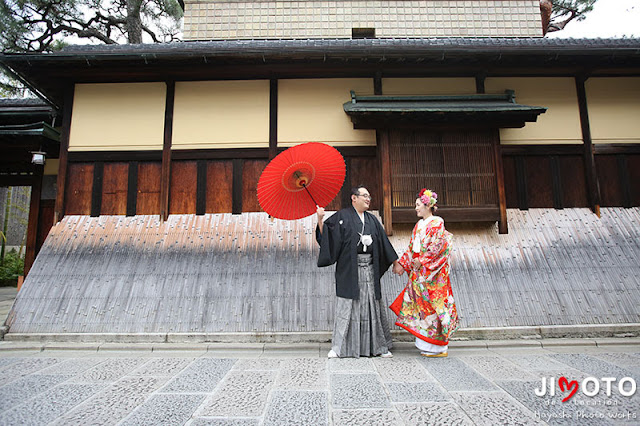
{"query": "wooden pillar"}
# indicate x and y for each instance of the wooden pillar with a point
(385, 171)
(377, 83)
(345, 200)
(166, 151)
(236, 186)
(273, 118)
(34, 219)
(132, 189)
(67, 109)
(382, 141)
(593, 187)
(480, 78)
(96, 191)
(503, 227)
(201, 187)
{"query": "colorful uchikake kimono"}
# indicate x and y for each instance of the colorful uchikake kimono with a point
(425, 308)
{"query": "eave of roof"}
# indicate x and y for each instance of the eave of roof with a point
(28, 130)
(50, 73)
(21, 111)
(380, 111)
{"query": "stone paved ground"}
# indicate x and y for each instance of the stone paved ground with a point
(482, 383)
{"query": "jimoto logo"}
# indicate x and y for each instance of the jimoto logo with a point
(590, 386)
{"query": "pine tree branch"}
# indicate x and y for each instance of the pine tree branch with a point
(153, 35)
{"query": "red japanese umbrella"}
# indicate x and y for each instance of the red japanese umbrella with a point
(300, 178)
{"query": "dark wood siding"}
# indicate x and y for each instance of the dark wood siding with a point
(45, 221)
(511, 189)
(219, 186)
(536, 176)
(539, 182)
(633, 162)
(182, 191)
(149, 176)
(609, 180)
(251, 171)
(115, 183)
(78, 188)
(574, 187)
(544, 176)
(366, 171)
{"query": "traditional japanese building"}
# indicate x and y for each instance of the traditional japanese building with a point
(532, 143)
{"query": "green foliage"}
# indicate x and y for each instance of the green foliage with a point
(571, 9)
(11, 267)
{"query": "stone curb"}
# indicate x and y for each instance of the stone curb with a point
(532, 334)
(300, 349)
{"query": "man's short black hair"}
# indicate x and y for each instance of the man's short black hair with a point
(356, 189)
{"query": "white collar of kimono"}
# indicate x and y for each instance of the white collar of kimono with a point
(420, 234)
(365, 240)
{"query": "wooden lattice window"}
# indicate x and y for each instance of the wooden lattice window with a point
(458, 165)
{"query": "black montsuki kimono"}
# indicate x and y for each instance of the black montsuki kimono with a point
(339, 243)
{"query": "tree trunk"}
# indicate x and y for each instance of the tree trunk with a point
(546, 7)
(5, 225)
(134, 23)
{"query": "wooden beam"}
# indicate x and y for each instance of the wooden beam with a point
(377, 83)
(521, 150)
(220, 154)
(358, 151)
(503, 227)
(115, 156)
(619, 148)
(64, 152)
(16, 180)
(96, 191)
(201, 187)
(451, 214)
(34, 220)
(236, 188)
(273, 118)
(480, 79)
(166, 151)
(345, 201)
(591, 174)
(132, 189)
(385, 172)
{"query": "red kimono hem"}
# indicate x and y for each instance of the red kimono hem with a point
(421, 337)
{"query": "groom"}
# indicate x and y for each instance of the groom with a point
(356, 241)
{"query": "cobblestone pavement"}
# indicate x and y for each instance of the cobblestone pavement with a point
(483, 383)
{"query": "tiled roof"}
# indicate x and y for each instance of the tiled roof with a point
(22, 103)
(251, 59)
(378, 45)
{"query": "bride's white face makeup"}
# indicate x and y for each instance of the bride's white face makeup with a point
(421, 209)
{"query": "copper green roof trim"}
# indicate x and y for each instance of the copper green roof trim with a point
(378, 111)
(35, 129)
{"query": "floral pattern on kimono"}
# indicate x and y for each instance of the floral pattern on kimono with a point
(426, 308)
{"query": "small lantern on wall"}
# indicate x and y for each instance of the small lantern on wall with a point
(38, 158)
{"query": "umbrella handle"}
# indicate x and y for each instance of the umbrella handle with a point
(313, 199)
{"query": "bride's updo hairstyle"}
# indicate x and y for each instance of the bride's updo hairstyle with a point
(429, 198)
